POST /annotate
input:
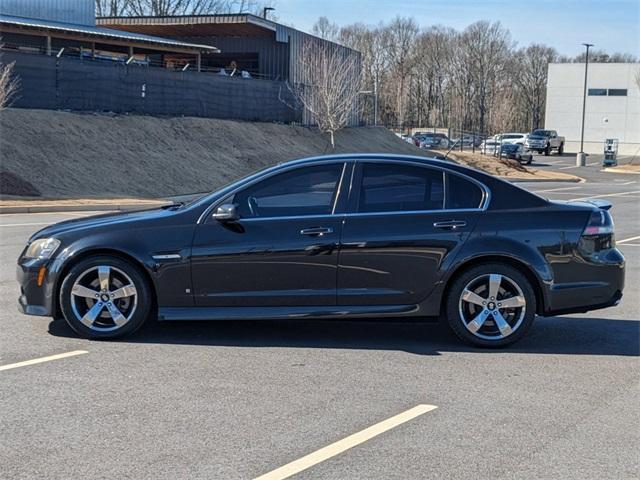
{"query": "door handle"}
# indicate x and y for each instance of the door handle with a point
(450, 224)
(316, 231)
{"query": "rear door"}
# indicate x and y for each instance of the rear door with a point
(404, 221)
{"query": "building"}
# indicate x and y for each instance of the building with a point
(262, 48)
(221, 66)
(68, 28)
(612, 105)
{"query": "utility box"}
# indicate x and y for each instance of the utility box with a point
(610, 152)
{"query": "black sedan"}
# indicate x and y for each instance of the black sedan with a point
(351, 236)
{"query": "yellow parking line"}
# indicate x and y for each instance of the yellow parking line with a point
(42, 360)
(630, 239)
(345, 444)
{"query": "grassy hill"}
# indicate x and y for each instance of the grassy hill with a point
(54, 154)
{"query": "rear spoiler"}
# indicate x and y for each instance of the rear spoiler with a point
(601, 204)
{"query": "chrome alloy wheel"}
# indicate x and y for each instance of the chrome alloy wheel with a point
(492, 306)
(104, 298)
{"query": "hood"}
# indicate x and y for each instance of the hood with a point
(101, 220)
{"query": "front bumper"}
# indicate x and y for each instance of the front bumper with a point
(34, 299)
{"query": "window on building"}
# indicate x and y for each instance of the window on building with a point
(597, 92)
(617, 92)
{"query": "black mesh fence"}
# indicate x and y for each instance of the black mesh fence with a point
(68, 83)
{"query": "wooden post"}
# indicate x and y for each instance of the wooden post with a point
(49, 45)
(199, 61)
(93, 50)
(130, 51)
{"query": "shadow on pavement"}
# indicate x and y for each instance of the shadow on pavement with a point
(557, 335)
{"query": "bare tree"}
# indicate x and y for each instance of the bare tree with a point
(331, 85)
(323, 28)
(177, 7)
(112, 8)
(530, 68)
(399, 45)
(9, 83)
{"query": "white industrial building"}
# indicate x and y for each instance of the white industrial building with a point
(612, 107)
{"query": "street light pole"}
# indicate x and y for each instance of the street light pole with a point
(375, 99)
(581, 157)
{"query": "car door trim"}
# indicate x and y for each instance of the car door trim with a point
(353, 163)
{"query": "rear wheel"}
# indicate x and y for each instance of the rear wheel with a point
(491, 305)
(105, 297)
(561, 149)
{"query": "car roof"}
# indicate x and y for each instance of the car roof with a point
(371, 156)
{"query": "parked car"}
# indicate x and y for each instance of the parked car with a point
(516, 151)
(544, 141)
(343, 236)
(491, 145)
(520, 138)
(434, 140)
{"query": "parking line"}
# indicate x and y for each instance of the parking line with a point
(605, 195)
(556, 189)
(35, 361)
(630, 239)
(345, 444)
(567, 168)
(23, 224)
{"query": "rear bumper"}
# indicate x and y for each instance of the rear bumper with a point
(586, 295)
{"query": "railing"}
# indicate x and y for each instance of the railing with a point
(136, 60)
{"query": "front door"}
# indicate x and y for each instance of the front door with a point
(282, 251)
(400, 230)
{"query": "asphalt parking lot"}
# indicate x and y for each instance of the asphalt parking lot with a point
(240, 400)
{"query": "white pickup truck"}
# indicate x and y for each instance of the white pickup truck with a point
(543, 141)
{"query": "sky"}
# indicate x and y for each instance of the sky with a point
(612, 25)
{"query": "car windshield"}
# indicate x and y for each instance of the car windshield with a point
(543, 133)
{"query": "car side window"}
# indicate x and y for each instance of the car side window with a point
(303, 191)
(390, 187)
(462, 193)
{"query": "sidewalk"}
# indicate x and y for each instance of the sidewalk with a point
(78, 205)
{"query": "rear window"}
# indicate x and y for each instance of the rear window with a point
(462, 193)
(390, 187)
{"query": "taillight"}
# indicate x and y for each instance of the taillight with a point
(598, 234)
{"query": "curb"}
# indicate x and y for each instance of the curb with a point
(624, 171)
(76, 208)
(545, 180)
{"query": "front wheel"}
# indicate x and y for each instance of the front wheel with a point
(105, 297)
(491, 305)
(547, 151)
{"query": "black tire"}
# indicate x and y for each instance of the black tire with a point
(521, 320)
(547, 151)
(120, 273)
(561, 149)
(530, 160)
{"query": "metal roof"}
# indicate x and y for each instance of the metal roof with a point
(101, 32)
(230, 18)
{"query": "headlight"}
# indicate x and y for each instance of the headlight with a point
(42, 248)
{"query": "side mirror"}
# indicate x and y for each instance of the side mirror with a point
(226, 213)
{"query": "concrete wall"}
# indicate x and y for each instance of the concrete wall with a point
(86, 85)
(80, 12)
(606, 116)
